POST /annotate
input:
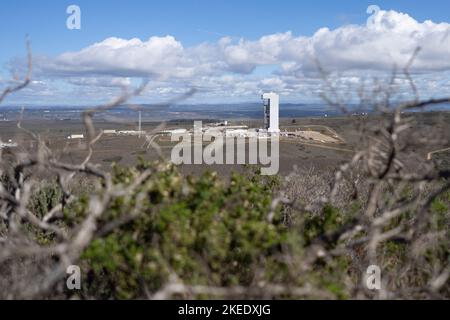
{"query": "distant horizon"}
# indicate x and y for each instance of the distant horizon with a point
(180, 112)
(154, 104)
(443, 106)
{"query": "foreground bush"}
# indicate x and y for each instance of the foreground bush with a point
(173, 236)
(201, 229)
(210, 232)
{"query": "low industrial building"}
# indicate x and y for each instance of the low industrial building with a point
(75, 136)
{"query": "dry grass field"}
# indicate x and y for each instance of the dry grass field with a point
(301, 152)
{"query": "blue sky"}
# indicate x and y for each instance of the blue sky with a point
(190, 23)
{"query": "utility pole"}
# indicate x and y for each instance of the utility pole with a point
(140, 124)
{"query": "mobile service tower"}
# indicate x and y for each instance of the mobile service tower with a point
(271, 103)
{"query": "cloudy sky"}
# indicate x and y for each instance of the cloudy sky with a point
(229, 51)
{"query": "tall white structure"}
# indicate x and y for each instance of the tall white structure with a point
(271, 112)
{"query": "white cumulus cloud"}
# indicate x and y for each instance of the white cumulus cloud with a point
(227, 66)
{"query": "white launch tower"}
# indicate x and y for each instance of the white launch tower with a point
(271, 102)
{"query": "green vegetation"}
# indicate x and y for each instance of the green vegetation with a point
(201, 229)
(211, 231)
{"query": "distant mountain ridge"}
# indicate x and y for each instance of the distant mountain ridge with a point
(160, 112)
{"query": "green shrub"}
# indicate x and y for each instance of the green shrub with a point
(202, 229)
(48, 195)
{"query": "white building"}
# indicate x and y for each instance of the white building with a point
(8, 144)
(76, 136)
(236, 133)
(174, 131)
(271, 112)
(130, 132)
